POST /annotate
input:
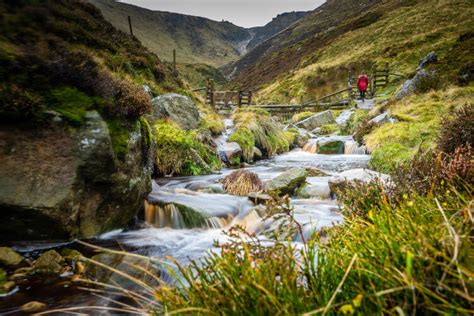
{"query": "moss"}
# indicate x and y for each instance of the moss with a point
(3, 276)
(212, 121)
(119, 131)
(146, 131)
(235, 161)
(71, 103)
(179, 152)
(388, 157)
(329, 129)
(191, 218)
(301, 116)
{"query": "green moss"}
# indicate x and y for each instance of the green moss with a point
(71, 103)
(301, 116)
(180, 153)
(190, 217)
(3, 276)
(386, 158)
(235, 161)
(146, 131)
(119, 131)
(245, 138)
(329, 129)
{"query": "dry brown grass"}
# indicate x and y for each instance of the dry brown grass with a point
(242, 182)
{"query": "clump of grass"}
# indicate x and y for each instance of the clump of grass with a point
(301, 116)
(256, 128)
(329, 129)
(71, 103)
(179, 152)
(242, 182)
(212, 121)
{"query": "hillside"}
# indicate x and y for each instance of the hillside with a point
(276, 25)
(312, 56)
(196, 39)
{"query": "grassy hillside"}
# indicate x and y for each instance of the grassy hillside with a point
(278, 24)
(312, 56)
(196, 39)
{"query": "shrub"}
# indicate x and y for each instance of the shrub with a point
(131, 101)
(18, 104)
(242, 182)
(458, 130)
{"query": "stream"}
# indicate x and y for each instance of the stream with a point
(165, 231)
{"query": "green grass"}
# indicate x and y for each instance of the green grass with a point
(119, 130)
(179, 152)
(71, 103)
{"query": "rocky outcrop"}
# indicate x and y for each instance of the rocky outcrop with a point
(383, 118)
(363, 176)
(428, 59)
(178, 108)
(413, 85)
(344, 117)
(316, 121)
(63, 182)
(287, 183)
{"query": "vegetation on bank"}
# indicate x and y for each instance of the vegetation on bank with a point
(256, 128)
(180, 152)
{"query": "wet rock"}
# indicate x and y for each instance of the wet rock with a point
(315, 172)
(179, 108)
(49, 262)
(206, 187)
(302, 137)
(287, 183)
(71, 254)
(330, 146)
(148, 90)
(33, 307)
(259, 198)
(257, 154)
(317, 120)
(232, 151)
(344, 117)
(62, 183)
(383, 118)
(428, 59)
(315, 188)
(350, 177)
(6, 287)
(9, 257)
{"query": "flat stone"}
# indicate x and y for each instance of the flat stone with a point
(9, 257)
(350, 177)
(318, 120)
(383, 118)
(287, 183)
(50, 262)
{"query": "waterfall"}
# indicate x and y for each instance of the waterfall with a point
(353, 148)
(311, 146)
(217, 222)
(164, 216)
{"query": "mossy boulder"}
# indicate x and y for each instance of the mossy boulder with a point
(65, 181)
(178, 108)
(287, 183)
(330, 146)
(317, 120)
(9, 257)
(50, 262)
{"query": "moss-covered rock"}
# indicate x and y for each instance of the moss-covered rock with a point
(330, 146)
(287, 183)
(180, 109)
(9, 257)
(50, 262)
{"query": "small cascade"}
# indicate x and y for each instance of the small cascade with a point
(311, 146)
(217, 222)
(252, 222)
(353, 148)
(164, 216)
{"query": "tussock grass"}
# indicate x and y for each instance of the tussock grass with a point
(242, 182)
(256, 128)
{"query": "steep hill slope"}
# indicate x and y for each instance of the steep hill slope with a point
(312, 56)
(196, 39)
(278, 24)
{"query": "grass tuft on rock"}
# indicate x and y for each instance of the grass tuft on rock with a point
(242, 182)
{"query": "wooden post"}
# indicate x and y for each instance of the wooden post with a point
(212, 98)
(174, 62)
(250, 98)
(130, 25)
(239, 102)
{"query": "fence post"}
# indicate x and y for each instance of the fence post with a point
(130, 25)
(250, 98)
(239, 102)
(174, 62)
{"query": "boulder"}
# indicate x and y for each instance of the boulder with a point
(287, 183)
(412, 85)
(315, 172)
(383, 118)
(9, 257)
(330, 146)
(318, 120)
(49, 262)
(315, 188)
(257, 154)
(302, 137)
(61, 182)
(231, 151)
(354, 176)
(178, 108)
(344, 117)
(428, 59)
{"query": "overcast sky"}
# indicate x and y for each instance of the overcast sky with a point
(247, 13)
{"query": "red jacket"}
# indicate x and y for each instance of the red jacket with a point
(363, 82)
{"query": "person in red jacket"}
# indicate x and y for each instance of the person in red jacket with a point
(362, 85)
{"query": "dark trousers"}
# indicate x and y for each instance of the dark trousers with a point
(362, 94)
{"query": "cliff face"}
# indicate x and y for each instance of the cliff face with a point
(75, 149)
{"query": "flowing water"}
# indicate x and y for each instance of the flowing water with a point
(185, 216)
